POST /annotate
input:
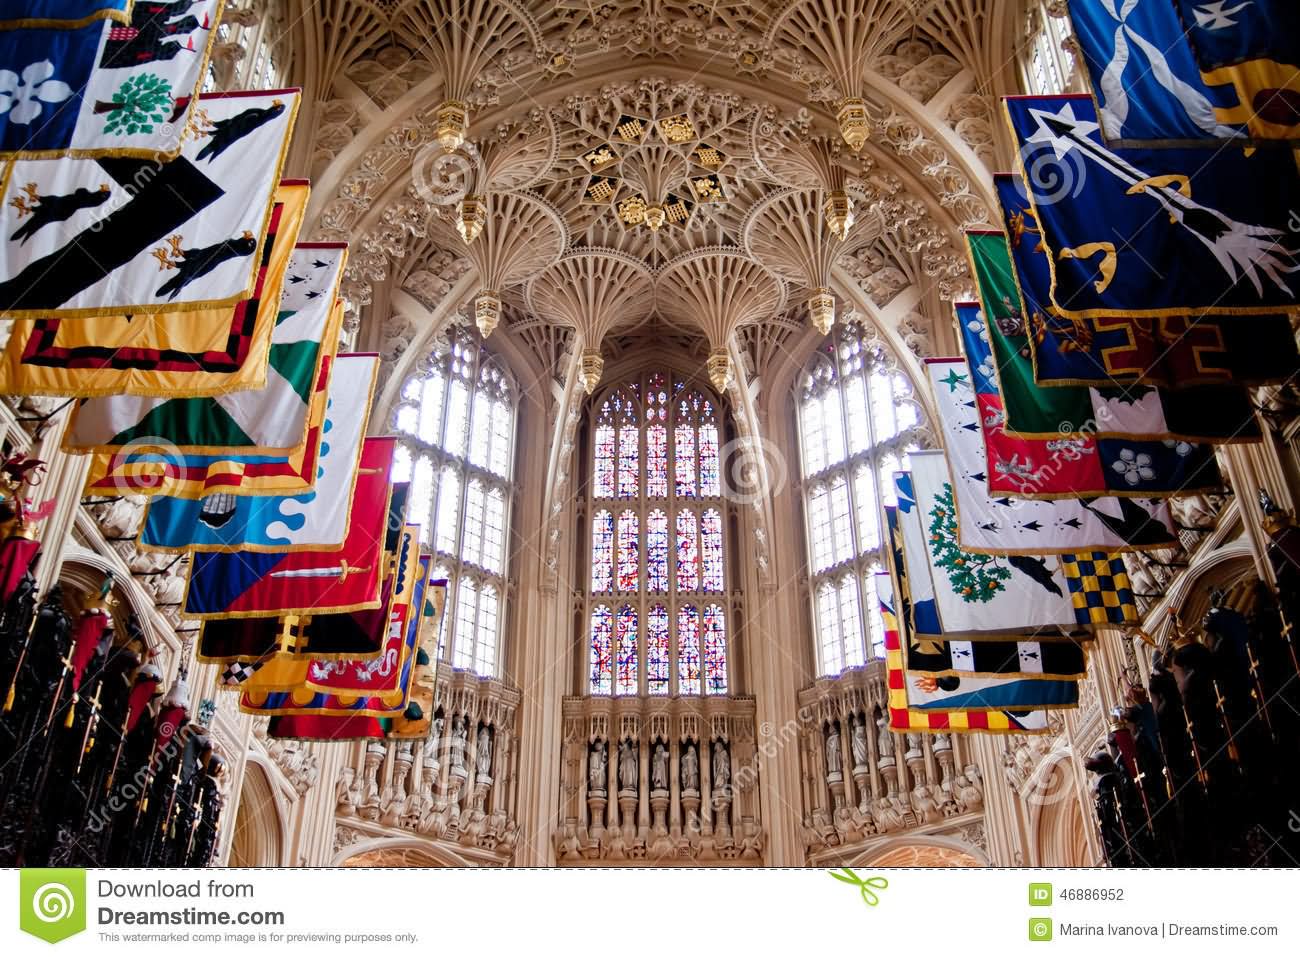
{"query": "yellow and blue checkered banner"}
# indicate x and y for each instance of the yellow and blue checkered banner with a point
(1100, 589)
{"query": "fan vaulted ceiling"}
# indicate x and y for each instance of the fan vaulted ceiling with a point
(663, 146)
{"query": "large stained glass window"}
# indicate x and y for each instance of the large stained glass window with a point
(658, 540)
(602, 643)
(857, 423)
(456, 421)
(625, 628)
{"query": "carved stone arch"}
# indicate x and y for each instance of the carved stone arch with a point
(921, 850)
(1057, 820)
(261, 831)
(399, 852)
(85, 570)
(1225, 568)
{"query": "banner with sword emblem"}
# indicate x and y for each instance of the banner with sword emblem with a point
(235, 585)
(1155, 232)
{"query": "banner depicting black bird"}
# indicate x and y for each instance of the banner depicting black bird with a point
(89, 237)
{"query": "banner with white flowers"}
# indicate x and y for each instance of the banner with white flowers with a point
(107, 88)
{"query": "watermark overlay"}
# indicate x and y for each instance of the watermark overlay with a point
(443, 178)
(1051, 178)
(752, 470)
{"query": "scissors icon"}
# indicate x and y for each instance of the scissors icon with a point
(864, 885)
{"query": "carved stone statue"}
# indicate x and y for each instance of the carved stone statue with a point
(659, 768)
(833, 761)
(596, 768)
(885, 741)
(459, 738)
(627, 777)
(859, 742)
(913, 745)
(690, 769)
(483, 757)
(721, 766)
(433, 742)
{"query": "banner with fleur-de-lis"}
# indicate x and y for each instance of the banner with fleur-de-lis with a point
(94, 237)
(106, 88)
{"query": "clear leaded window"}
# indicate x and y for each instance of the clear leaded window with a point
(1045, 62)
(857, 424)
(457, 421)
(656, 609)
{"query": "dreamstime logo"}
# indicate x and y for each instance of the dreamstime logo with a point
(145, 466)
(1051, 178)
(443, 178)
(753, 470)
(52, 902)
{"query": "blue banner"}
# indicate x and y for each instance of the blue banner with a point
(43, 77)
(1155, 232)
(62, 14)
(1229, 32)
(1146, 79)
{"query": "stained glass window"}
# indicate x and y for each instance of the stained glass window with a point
(629, 564)
(656, 551)
(711, 549)
(857, 423)
(655, 471)
(710, 484)
(715, 650)
(656, 657)
(625, 633)
(684, 461)
(604, 468)
(456, 421)
(688, 650)
(629, 438)
(688, 553)
(602, 551)
(602, 632)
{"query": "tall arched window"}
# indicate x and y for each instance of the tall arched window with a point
(857, 423)
(1047, 66)
(656, 612)
(457, 420)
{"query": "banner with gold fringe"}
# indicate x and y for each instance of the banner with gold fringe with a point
(144, 471)
(310, 521)
(269, 419)
(139, 237)
(906, 713)
(199, 353)
(65, 14)
(107, 89)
